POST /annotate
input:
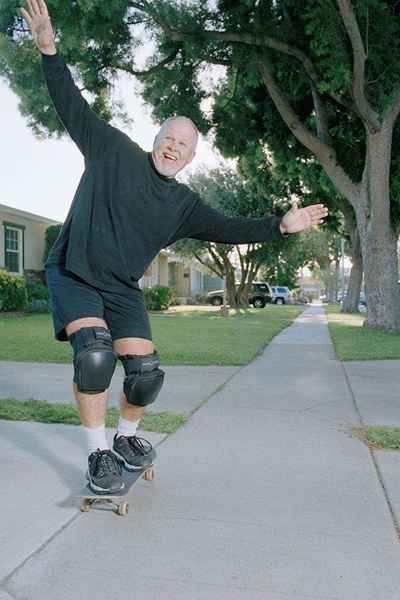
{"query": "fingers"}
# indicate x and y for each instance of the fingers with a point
(26, 16)
(43, 8)
(317, 211)
(35, 7)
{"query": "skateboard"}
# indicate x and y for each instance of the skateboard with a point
(117, 499)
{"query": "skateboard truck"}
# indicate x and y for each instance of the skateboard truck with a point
(120, 507)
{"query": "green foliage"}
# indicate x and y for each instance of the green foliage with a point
(157, 297)
(51, 234)
(38, 306)
(13, 295)
(36, 291)
(37, 298)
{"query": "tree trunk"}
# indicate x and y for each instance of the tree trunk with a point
(378, 238)
(230, 283)
(352, 296)
(331, 285)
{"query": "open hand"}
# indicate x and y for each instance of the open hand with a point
(300, 219)
(40, 25)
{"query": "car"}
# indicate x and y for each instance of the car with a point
(259, 295)
(280, 294)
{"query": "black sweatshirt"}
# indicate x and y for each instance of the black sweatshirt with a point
(124, 212)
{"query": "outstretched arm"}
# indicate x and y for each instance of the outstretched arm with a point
(91, 134)
(206, 223)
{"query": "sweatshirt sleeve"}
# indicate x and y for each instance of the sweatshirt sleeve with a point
(92, 135)
(206, 223)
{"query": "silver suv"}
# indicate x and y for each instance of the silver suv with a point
(280, 294)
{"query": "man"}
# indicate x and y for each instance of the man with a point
(127, 207)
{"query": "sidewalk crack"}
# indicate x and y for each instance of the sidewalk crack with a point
(395, 520)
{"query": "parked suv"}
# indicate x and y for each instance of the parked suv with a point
(280, 294)
(259, 295)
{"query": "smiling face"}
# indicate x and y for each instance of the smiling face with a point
(174, 146)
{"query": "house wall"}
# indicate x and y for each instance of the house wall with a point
(33, 240)
(157, 272)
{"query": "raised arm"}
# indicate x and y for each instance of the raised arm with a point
(92, 135)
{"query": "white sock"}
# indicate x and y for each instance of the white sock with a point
(96, 438)
(127, 428)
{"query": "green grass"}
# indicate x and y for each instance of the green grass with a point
(47, 412)
(352, 341)
(380, 438)
(185, 338)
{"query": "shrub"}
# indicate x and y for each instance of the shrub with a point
(50, 236)
(200, 299)
(13, 295)
(38, 306)
(36, 291)
(157, 297)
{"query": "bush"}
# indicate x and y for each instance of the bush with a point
(157, 297)
(200, 299)
(36, 291)
(38, 306)
(50, 236)
(13, 294)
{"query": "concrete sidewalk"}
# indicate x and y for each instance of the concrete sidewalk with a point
(184, 389)
(263, 494)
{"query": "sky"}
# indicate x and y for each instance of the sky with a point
(41, 176)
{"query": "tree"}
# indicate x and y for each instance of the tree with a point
(330, 71)
(326, 73)
(50, 236)
(229, 193)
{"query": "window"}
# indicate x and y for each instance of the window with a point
(13, 248)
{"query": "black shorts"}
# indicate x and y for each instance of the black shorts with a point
(72, 298)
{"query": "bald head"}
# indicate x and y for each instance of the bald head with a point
(175, 145)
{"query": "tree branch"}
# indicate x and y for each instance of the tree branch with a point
(153, 69)
(321, 116)
(367, 113)
(206, 264)
(393, 110)
(324, 152)
(217, 259)
(243, 38)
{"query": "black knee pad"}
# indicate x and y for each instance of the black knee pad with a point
(143, 379)
(94, 359)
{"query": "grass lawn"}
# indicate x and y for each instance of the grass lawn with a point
(352, 341)
(184, 338)
(380, 438)
(46, 412)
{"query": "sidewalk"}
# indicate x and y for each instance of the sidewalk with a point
(184, 388)
(262, 495)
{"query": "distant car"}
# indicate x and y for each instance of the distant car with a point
(259, 295)
(280, 294)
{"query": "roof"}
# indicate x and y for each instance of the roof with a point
(27, 215)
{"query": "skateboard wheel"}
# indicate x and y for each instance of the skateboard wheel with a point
(85, 505)
(148, 475)
(123, 509)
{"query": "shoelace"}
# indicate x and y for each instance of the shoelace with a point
(140, 445)
(106, 462)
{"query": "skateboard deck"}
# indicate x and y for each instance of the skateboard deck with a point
(118, 499)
